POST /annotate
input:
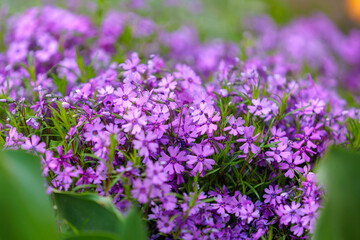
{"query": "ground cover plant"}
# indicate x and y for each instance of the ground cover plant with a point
(210, 140)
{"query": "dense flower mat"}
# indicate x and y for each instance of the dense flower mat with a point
(208, 145)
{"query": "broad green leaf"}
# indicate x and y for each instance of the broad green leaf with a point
(134, 228)
(340, 217)
(93, 236)
(26, 211)
(89, 212)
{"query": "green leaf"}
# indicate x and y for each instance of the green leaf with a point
(93, 236)
(340, 217)
(134, 228)
(26, 211)
(89, 212)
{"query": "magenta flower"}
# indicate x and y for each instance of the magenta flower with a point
(302, 151)
(140, 190)
(94, 131)
(155, 173)
(46, 161)
(145, 144)
(188, 133)
(310, 214)
(32, 144)
(173, 162)
(66, 175)
(236, 126)
(272, 195)
(297, 229)
(167, 84)
(278, 135)
(202, 163)
(261, 107)
(279, 153)
(289, 213)
(126, 96)
(133, 69)
(249, 140)
(291, 166)
(62, 160)
(165, 225)
(221, 205)
(248, 212)
(135, 121)
(308, 136)
(87, 177)
(208, 123)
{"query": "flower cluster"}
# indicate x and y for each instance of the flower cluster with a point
(208, 146)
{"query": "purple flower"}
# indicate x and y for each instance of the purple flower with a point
(140, 190)
(32, 144)
(308, 136)
(236, 126)
(62, 160)
(94, 131)
(167, 84)
(261, 107)
(202, 163)
(297, 229)
(249, 140)
(66, 175)
(135, 121)
(87, 177)
(127, 96)
(208, 123)
(279, 153)
(289, 214)
(278, 135)
(221, 205)
(302, 151)
(155, 173)
(165, 225)
(310, 212)
(133, 69)
(291, 166)
(173, 162)
(272, 195)
(145, 144)
(248, 212)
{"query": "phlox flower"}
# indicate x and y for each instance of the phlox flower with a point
(272, 195)
(94, 131)
(33, 144)
(278, 153)
(209, 124)
(260, 107)
(145, 144)
(135, 120)
(167, 84)
(172, 163)
(289, 214)
(249, 140)
(202, 163)
(165, 225)
(291, 166)
(248, 212)
(133, 69)
(126, 96)
(236, 126)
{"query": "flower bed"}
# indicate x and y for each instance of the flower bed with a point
(208, 145)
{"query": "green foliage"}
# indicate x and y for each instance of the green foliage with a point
(340, 218)
(353, 127)
(25, 208)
